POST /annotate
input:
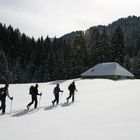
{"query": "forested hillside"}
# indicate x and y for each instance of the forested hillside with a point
(24, 59)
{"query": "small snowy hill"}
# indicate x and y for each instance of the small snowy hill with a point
(104, 110)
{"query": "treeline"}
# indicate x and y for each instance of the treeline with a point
(24, 59)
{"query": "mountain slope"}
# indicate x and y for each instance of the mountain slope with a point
(104, 110)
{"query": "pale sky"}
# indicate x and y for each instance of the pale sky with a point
(58, 17)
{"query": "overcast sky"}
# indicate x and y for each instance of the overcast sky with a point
(58, 17)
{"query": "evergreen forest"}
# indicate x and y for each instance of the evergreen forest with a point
(24, 59)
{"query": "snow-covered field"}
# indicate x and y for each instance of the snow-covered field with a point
(104, 110)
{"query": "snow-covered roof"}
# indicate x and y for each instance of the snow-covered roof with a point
(106, 69)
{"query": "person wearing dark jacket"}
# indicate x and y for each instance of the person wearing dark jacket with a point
(3, 93)
(72, 89)
(33, 93)
(56, 94)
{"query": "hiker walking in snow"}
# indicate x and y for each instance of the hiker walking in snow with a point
(3, 93)
(56, 94)
(33, 92)
(71, 89)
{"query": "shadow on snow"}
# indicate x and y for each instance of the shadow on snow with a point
(31, 111)
(65, 104)
(25, 112)
(50, 107)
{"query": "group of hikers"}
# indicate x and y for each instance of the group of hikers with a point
(33, 91)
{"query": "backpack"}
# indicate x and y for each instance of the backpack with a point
(1, 90)
(31, 91)
(69, 87)
(54, 90)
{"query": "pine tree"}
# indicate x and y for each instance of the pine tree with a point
(96, 51)
(106, 47)
(136, 67)
(17, 72)
(4, 71)
(117, 44)
(79, 56)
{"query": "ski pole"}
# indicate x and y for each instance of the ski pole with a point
(61, 95)
(39, 99)
(11, 106)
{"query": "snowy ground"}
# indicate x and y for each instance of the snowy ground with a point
(104, 110)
